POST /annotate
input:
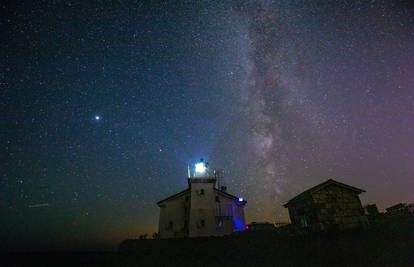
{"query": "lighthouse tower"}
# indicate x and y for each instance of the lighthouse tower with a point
(203, 205)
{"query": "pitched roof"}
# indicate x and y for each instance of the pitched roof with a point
(174, 196)
(320, 186)
(224, 193)
(181, 193)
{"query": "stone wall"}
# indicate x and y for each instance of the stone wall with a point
(302, 213)
(338, 208)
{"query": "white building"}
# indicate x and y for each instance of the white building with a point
(202, 209)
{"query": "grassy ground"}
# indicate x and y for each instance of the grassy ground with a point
(385, 245)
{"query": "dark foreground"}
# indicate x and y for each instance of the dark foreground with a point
(386, 246)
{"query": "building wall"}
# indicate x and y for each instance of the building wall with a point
(303, 213)
(173, 217)
(232, 215)
(203, 208)
(339, 208)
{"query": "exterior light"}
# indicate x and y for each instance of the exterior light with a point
(241, 199)
(200, 168)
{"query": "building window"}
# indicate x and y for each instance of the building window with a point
(219, 223)
(170, 225)
(217, 199)
(303, 221)
(201, 192)
(202, 223)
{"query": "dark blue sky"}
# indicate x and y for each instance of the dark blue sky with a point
(280, 94)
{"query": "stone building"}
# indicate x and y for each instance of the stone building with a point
(371, 210)
(401, 209)
(203, 209)
(329, 205)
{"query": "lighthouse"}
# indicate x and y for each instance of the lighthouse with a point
(203, 209)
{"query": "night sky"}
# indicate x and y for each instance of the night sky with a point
(103, 105)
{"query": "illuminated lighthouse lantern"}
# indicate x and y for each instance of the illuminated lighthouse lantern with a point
(200, 169)
(203, 209)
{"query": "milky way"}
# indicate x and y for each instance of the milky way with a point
(314, 79)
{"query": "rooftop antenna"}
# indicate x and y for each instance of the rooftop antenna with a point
(219, 175)
(188, 170)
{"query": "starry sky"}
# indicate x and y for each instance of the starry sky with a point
(104, 103)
